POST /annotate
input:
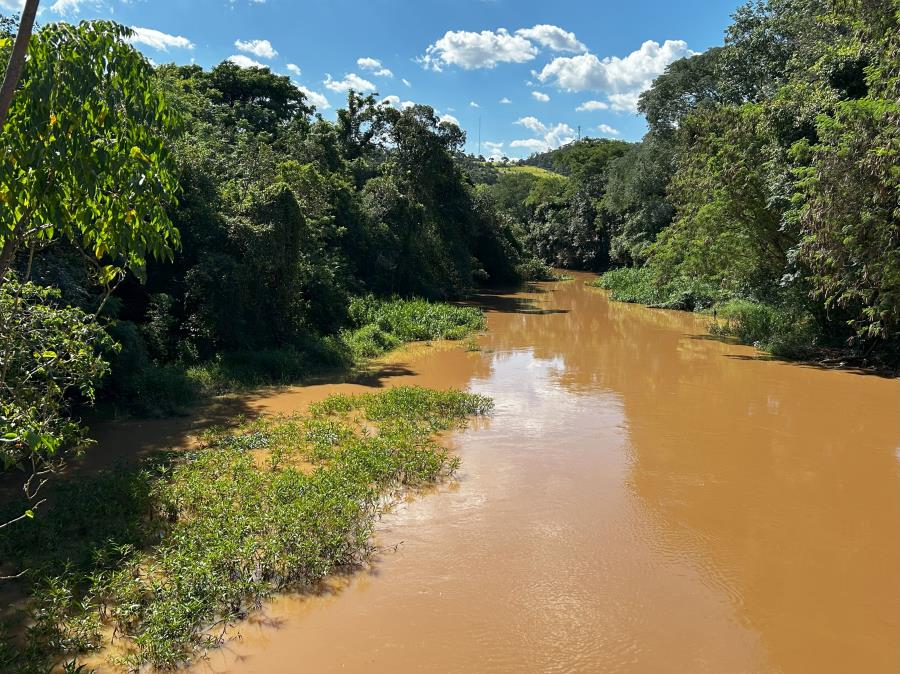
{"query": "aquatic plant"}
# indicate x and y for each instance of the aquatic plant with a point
(167, 556)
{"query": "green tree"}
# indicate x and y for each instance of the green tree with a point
(100, 177)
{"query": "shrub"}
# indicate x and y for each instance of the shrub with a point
(383, 325)
(642, 285)
(781, 331)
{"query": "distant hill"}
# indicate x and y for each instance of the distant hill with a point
(588, 156)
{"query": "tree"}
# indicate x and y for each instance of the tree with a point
(84, 153)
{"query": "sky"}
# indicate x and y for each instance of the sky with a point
(529, 74)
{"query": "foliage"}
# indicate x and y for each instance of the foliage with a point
(783, 331)
(174, 552)
(768, 176)
(48, 353)
(100, 177)
(643, 285)
(382, 325)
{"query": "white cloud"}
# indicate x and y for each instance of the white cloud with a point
(532, 144)
(395, 102)
(350, 81)
(540, 96)
(624, 78)
(591, 106)
(532, 124)
(625, 102)
(260, 48)
(294, 68)
(314, 97)
(470, 50)
(368, 63)
(158, 39)
(406, 82)
(495, 150)
(505, 101)
(450, 119)
(66, 7)
(245, 61)
(473, 104)
(608, 130)
(12, 5)
(549, 137)
(553, 37)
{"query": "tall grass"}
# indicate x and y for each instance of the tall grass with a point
(641, 285)
(780, 331)
(165, 557)
(381, 325)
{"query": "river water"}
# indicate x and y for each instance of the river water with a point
(645, 499)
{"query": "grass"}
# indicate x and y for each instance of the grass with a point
(641, 286)
(377, 326)
(784, 332)
(166, 556)
(532, 170)
(780, 331)
(382, 325)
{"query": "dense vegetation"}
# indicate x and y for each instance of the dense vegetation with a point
(766, 186)
(167, 556)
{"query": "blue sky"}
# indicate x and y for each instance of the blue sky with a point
(560, 64)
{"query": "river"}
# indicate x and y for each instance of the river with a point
(645, 499)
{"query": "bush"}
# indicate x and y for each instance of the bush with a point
(781, 331)
(534, 269)
(642, 285)
(383, 325)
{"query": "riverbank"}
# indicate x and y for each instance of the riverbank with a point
(106, 517)
(783, 332)
(155, 561)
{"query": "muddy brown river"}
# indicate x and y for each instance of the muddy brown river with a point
(645, 499)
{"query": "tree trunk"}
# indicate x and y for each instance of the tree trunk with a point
(17, 59)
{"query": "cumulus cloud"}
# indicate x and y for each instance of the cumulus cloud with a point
(608, 130)
(294, 68)
(314, 97)
(245, 61)
(591, 106)
(350, 81)
(622, 78)
(12, 5)
(368, 63)
(540, 96)
(548, 137)
(470, 50)
(494, 150)
(261, 48)
(158, 40)
(473, 104)
(553, 37)
(505, 101)
(450, 119)
(66, 7)
(395, 102)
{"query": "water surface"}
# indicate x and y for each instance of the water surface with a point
(645, 499)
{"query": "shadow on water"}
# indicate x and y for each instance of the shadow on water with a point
(512, 303)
